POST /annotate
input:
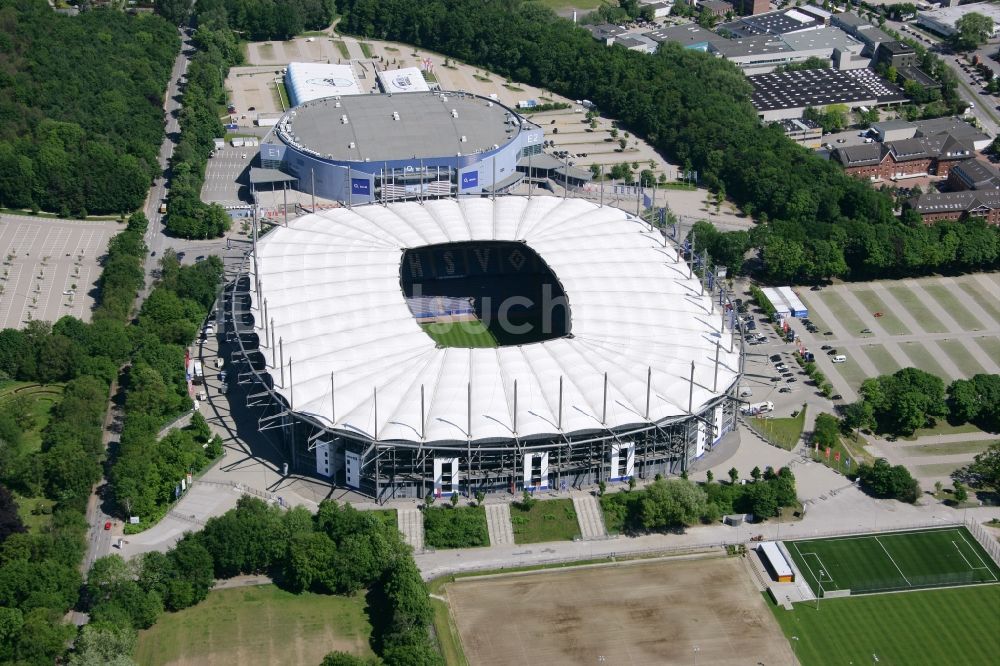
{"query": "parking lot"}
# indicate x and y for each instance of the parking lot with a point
(50, 267)
(227, 176)
(947, 326)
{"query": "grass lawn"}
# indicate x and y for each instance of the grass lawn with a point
(852, 372)
(874, 303)
(990, 345)
(943, 428)
(893, 561)
(258, 625)
(851, 454)
(784, 432)
(266, 52)
(463, 334)
(546, 520)
(283, 100)
(843, 313)
(922, 358)
(987, 303)
(915, 306)
(961, 357)
(883, 360)
(954, 448)
(556, 5)
(366, 49)
(342, 47)
(387, 516)
(455, 527)
(958, 312)
(480, 77)
(26, 509)
(937, 469)
(43, 398)
(954, 626)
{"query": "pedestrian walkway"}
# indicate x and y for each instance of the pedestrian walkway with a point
(499, 525)
(411, 524)
(589, 515)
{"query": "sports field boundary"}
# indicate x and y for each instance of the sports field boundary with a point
(935, 567)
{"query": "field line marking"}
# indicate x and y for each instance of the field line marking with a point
(893, 562)
(803, 556)
(979, 557)
(962, 555)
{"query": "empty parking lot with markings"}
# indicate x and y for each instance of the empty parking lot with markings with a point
(50, 267)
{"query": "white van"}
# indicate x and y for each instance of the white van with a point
(839, 358)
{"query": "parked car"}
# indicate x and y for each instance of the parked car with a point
(825, 347)
(107, 525)
(832, 352)
(784, 389)
(836, 396)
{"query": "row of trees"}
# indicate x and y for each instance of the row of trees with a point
(81, 100)
(900, 403)
(339, 550)
(146, 469)
(204, 93)
(677, 503)
(816, 222)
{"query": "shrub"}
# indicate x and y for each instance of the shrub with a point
(456, 527)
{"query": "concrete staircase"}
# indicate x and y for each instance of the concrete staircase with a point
(411, 524)
(589, 516)
(499, 525)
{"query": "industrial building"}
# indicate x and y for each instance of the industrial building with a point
(636, 379)
(787, 95)
(942, 21)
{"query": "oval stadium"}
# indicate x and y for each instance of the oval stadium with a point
(361, 148)
(459, 345)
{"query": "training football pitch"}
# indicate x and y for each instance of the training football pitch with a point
(893, 561)
(463, 334)
(928, 627)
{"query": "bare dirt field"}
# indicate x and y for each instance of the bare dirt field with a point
(666, 612)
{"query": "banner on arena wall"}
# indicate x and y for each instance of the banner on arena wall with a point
(470, 179)
(361, 187)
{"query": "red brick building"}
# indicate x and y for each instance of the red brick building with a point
(906, 158)
(751, 7)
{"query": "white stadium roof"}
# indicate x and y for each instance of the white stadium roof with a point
(332, 285)
(407, 79)
(307, 81)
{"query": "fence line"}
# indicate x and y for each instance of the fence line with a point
(985, 539)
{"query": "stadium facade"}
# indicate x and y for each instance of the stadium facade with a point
(636, 378)
(360, 148)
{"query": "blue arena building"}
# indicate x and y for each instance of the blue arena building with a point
(370, 148)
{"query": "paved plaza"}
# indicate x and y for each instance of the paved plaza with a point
(50, 267)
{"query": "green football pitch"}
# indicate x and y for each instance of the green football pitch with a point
(464, 334)
(928, 627)
(893, 561)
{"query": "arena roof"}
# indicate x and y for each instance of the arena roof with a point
(310, 80)
(332, 285)
(425, 125)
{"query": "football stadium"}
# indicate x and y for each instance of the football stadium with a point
(458, 345)
(342, 145)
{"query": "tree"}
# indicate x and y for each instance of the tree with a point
(344, 659)
(98, 645)
(960, 493)
(709, 477)
(308, 562)
(755, 474)
(826, 429)
(973, 29)
(672, 503)
(883, 480)
(734, 475)
(761, 500)
(984, 470)
(10, 521)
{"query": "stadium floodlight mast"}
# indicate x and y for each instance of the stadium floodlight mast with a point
(819, 580)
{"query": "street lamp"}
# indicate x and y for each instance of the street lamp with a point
(796, 639)
(696, 650)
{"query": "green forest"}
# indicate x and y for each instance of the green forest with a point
(816, 222)
(81, 107)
